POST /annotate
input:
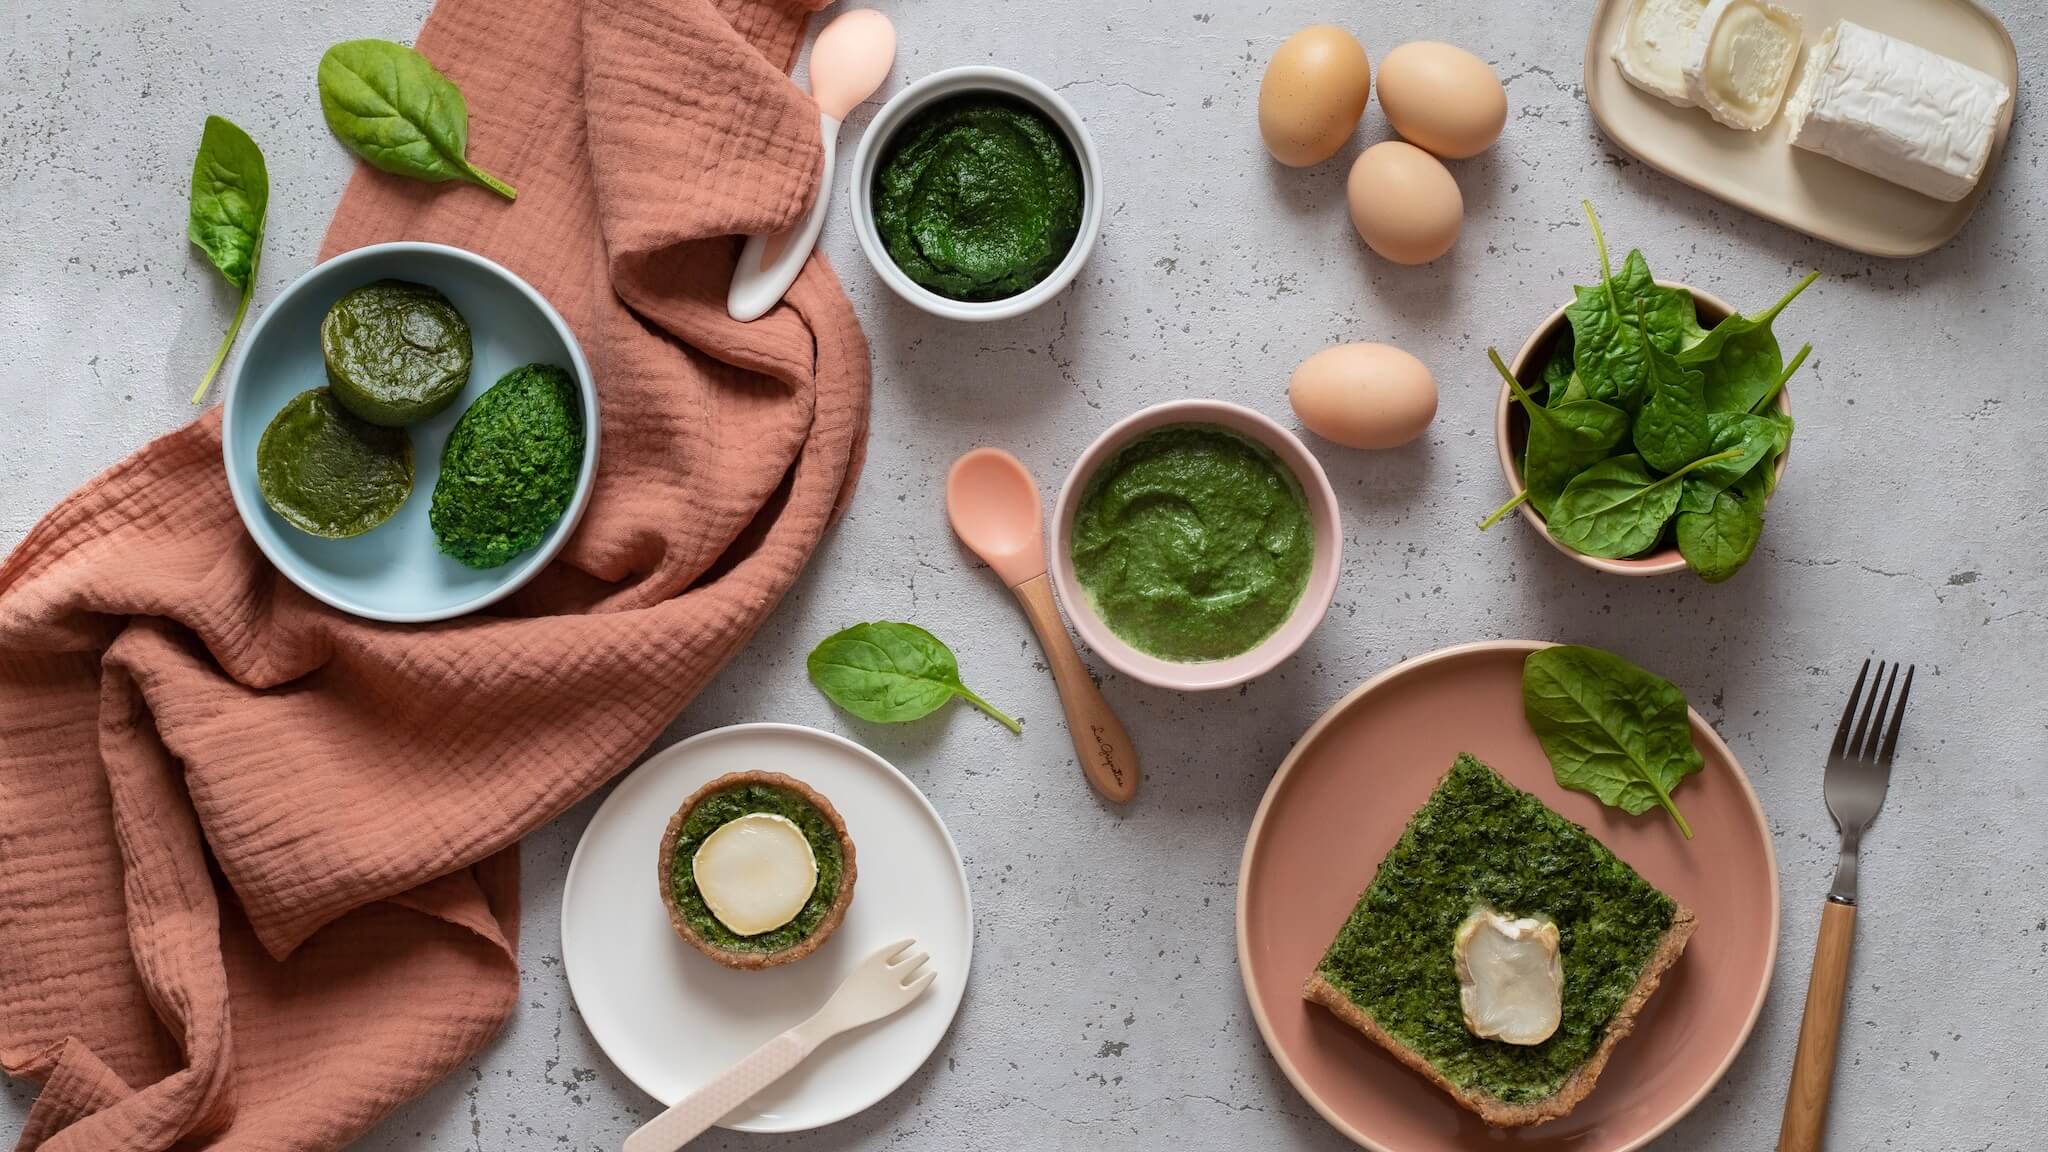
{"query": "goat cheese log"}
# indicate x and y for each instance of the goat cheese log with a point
(1897, 111)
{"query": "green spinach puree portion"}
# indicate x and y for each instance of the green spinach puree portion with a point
(510, 467)
(397, 353)
(978, 197)
(329, 473)
(1193, 543)
(722, 808)
(1481, 840)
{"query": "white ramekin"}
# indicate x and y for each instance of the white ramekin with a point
(914, 99)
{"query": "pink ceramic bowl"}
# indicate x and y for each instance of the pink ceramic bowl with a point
(1322, 577)
(1511, 431)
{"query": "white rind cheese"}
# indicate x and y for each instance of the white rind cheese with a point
(1897, 111)
(1740, 61)
(1510, 977)
(1650, 51)
(755, 873)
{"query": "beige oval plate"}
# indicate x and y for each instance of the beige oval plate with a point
(1762, 172)
(1339, 802)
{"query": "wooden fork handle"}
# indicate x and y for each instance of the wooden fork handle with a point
(1820, 1029)
(734, 1087)
(1100, 742)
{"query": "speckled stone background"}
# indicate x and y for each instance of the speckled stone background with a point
(1105, 1009)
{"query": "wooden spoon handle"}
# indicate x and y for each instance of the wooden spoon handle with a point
(1105, 751)
(1813, 1069)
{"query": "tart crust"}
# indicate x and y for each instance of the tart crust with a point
(833, 915)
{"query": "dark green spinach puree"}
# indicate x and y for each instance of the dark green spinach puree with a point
(1193, 543)
(978, 197)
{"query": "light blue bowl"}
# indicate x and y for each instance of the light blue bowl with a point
(395, 571)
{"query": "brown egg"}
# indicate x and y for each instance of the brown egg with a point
(1404, 203)
(1313, 94)
(1442, 98)
(1364, 395)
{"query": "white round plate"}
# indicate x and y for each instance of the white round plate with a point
(671, 1018)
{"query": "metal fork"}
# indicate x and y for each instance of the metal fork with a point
(1859, 769)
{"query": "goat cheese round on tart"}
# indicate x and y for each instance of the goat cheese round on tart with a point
(756, 870)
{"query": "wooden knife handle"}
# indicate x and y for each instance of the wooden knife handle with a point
(1104, 749)
(1820, 1030)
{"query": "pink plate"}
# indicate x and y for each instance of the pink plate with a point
(1340, 801)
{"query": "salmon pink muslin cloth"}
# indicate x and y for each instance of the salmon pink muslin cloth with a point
(258, 860)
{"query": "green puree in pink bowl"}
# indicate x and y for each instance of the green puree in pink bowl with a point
(1193, 543)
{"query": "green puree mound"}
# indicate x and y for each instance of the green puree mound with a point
(328, 473)
(396, 352)
(1194, 543)
(1480, 840)
(510, 467)
(978, 198)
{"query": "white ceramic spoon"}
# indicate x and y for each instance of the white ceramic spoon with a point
(850, 60)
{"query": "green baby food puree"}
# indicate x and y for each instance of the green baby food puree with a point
(1193, 543)
(978, 197)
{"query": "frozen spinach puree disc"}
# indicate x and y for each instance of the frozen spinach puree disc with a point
(396, 352)
(1481, 840)
(328, 473)
(978, 197)
(1193, 543)
(722, 808)
(510, 467)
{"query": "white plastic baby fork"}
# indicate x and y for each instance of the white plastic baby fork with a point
(884, 984)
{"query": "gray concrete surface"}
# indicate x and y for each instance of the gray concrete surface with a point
(1105, 1011)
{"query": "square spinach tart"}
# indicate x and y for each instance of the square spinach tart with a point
(1398, 969)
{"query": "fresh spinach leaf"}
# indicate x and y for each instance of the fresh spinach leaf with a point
(1671, 427)
(396, 111)
(1604, 319)
(1609, 361)
(1500, 513)
(890, 672)
(1716, 543)
(230, 200)
(1783, 424)
(1559, 369)
(1610, 728)
(1668, 315)
(1741, 358)
(1574, 389)
(1770, 397)
(1758, 439)
(1563, 441)
(1618, 508)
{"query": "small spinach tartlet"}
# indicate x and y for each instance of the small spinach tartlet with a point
(510, 467)
(723, 801)
(328, 473)
(397, 352)
(1480, 841)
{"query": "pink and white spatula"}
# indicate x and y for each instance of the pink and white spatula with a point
(850, 60)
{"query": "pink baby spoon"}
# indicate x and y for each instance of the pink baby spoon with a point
(850, 60)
